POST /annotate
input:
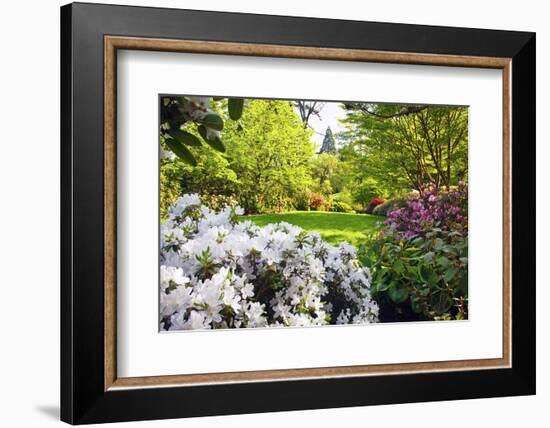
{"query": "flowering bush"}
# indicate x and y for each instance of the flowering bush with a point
(317, 201)
(218, 273)
(374, 202)
(431, 207)
(419, 257)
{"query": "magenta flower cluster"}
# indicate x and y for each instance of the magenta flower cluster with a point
(432, 207)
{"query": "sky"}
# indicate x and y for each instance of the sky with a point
(330, 114)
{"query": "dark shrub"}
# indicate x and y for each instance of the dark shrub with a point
(426, 275)
(389, 205)
(374, 202)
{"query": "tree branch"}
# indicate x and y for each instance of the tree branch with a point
(405, 111)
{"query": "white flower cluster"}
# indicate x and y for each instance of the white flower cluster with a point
(197, 108)
(219, 273)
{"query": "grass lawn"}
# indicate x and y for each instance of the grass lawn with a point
(333, 227)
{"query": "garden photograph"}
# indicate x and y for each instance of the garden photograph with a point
(299, 213)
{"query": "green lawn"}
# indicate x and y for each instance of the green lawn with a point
(333, 227)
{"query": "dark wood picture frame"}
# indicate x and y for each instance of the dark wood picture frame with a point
(90, 36)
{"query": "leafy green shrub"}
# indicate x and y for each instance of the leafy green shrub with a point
(346, 196)
(301, 200)
(365, 191)
(170, 188)
(341, 207)
(428, 272)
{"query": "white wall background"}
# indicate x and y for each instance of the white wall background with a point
(29, 212)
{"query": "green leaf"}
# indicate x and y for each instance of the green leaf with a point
(428, 257)
(185, 137)
(382, 286)
(416, 307)
(215, 142)
(443, 262)
(463, 284)
(212, 121)
(441, 302)
(398, 294)
(450, 273)
(235, 107)
(398, 266)
(181, 151)
(424, 291)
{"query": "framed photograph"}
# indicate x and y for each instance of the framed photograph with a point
(266, 213)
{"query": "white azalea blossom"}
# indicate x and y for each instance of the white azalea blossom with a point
(218, 273)
(166, 154)
(196, 107)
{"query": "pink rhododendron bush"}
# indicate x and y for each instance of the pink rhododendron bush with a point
(219, 273)
(433, 207)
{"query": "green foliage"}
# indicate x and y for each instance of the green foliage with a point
(301, 200)
(194, 114)
(345, 196)
(429, 273)
(267, 165)
(341, 207)
(397, 149)
(366, 190)
(323, 169)
(235, 108)
(170, 188)
(181, 151)
(211, 139)
(212, 121)
(270, 153)
(184, 137)
(212, 176)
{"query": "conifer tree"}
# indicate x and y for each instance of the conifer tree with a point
(328, 146)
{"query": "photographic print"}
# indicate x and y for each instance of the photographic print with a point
(325, 218)
(295, 213)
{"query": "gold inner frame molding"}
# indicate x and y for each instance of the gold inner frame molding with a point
(113, 43)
